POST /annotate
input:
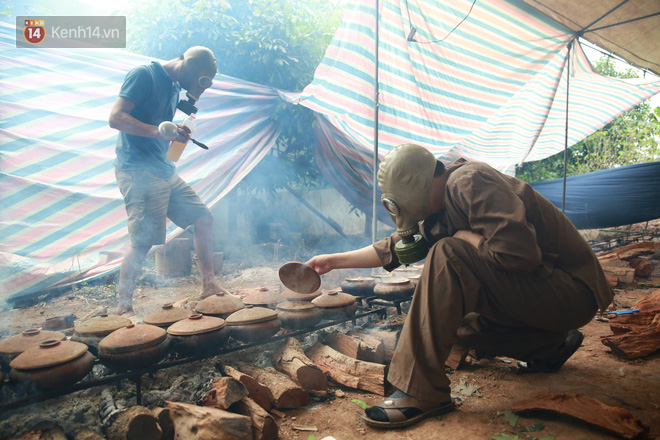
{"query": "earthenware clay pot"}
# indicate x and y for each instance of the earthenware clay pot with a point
(220, 305)
(135, 346)
(12, 347)
(264, 297)
(53, 364)
(91, 331)
(290, 295)
(297, 315)
(253, 324)
(336, 305)
(166, 316)
(359, 286)
(394, 288)
(198, 335)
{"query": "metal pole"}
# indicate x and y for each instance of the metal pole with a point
(568, 83)
(375, 174)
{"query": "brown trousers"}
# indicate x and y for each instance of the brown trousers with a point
(523, 315)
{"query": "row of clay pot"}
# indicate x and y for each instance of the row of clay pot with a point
(388, 288)
(49, 361)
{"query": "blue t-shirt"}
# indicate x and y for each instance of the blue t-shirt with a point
(155, 97)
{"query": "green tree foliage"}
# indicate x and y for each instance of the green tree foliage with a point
(277, 43)
(629, 139)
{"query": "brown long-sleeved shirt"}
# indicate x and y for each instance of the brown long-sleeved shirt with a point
(522, 230)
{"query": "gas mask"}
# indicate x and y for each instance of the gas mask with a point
(405, 176)
(199, 68)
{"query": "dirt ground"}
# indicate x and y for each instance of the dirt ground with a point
(485, 389)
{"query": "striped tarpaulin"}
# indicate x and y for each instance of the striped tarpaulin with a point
(483, 80)
(62, 216)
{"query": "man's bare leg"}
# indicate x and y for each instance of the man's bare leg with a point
(131, 267)
(203, 240)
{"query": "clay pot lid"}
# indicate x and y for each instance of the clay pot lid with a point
(47, 354)
(28, 339)
(264, 296)
(334, 299)
(394, 281)
(219, 304)
(295, 306)
(132, 337)
(166, 315)
(361, 280)
(196, 324)
(251, 315)
(290, 295)
(299, 277)
(101, 325)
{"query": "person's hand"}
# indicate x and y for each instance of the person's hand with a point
(184, 133)
(471, 237)
(321, 264)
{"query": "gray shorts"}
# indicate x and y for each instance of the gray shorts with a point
(150, 200)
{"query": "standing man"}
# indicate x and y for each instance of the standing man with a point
(506, 274)
(151, 188)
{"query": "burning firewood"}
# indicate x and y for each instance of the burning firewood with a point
(347, 371)
(135, 423)
(264, 426)
(225, 391)
(291, 360)
(256, 391)
(86, 434)
(286, 393)
(389, 338)
(362, 346)
(165, 422)
(49, 431)
(192, 422)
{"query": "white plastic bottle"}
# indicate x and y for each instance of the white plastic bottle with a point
(176, 148)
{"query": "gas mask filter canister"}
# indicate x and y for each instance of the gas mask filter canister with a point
(405, 176)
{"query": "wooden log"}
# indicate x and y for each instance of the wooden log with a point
(628, 252)
(347, 371)
(256, 391)
(224, 392)
(49, 431)
(614, 419)
(389, 338)
(635, 335)
(360, 346)
(291, 360)
(643, 266)
(625, 275)
(612, 279)
(86, 434)
(165, 422)
(192, 422)
(286, 393)
(264, 426)
(135, 423)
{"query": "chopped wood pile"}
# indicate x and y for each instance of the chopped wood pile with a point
(637, 334)
(623, 265)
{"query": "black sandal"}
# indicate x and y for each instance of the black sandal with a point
(393, 408)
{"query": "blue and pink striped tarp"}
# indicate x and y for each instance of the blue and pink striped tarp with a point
(482, 80)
